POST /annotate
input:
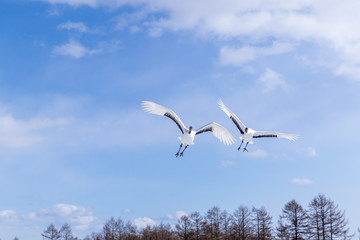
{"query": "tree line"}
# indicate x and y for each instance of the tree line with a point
(321, 220)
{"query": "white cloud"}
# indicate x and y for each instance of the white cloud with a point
(329, 24)
(309, 151)
(127, 211)
(243, 55)
(144, 222)
(110, 46)
(54, 11)
(257, 154)
(272, 80)
(225, 164)
(92, 3)
(60, 124)
(236, 56)
(8, 216)
(179, 214)
(135, 29)
(74, 49)
(130, 20)
(155, 32)
(78, 216)
(302, 181)
(169, 216)
(176, 216)
(22, 133)
(79, 26)
(77, 50)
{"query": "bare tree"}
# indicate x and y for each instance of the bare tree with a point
(196, 225)
(146, 233)
(184, 228)
(281, 231)
(337, 223)
(326, 221)
(293, 221)
(225, 225)
(318, 217)
(109, 229)
(262, 224)
(51, 233)
(65, 232)
(96, 236)
(212, 223)
(131, 231)
(114, 229)
(242, 224)
(160, 232)
(322, 221)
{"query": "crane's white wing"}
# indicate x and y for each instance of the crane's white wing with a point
(151, 107)
(219, 131)
(232, 116)
(261, 134)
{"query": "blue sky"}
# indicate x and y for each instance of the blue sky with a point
(75, 146)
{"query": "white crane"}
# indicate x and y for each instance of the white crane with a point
(248, 133)
(188, 135)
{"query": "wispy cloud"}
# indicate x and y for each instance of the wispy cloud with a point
(272, 80)
(77, 50)
(54, 11)
(23, 133)
(127, 211)
(155, 32)
(74, 49)
(240, 56)
(257, 154)
(78, 26)
(92, 3)
(302, 181)
(8, 216)
(236, 56)
(226, 164)
(309, 151)
(131, 20)
(60, 123)
(109, 46)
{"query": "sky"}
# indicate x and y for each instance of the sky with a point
(76, 147)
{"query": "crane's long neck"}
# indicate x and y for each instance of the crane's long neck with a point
(190, 129)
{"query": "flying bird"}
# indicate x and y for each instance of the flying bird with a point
(188, 135)
(248, 133)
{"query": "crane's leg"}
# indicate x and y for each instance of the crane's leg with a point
(177, 154)
(181, 154)
(245, 149)
(240, 144)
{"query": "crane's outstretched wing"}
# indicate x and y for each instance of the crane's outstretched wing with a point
(261, 134)
(232, 116)
(151, 107)
(219, 131)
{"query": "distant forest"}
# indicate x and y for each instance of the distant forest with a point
(321, 220)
